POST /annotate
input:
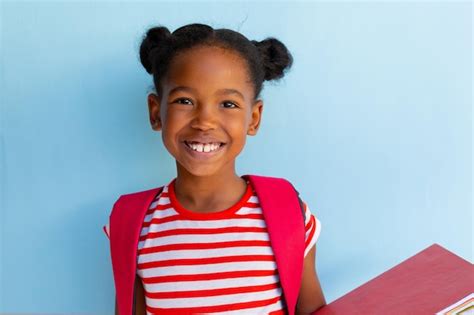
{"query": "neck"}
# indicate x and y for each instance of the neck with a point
(210, 193)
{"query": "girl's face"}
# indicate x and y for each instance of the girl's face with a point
(207, 98)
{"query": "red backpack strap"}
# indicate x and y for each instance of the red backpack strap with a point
(126, 220)
(280, 205)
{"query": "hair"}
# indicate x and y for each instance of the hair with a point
(267, 60)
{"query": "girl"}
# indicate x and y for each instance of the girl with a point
(203, 246)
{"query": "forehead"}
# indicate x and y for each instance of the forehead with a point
(207, 69)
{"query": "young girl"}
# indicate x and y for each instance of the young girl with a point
(203, 246)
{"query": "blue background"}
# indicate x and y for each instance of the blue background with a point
(372, 125)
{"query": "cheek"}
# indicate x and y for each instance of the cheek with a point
(173, 122)
(168, 132)
(238, 129)
(165, 138)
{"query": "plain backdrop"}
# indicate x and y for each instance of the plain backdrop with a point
(372, 125)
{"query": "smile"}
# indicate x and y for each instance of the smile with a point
(204, 147)
(201, 150)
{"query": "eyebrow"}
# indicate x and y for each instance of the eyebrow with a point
(219, 92)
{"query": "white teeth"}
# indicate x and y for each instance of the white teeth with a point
(204, 147)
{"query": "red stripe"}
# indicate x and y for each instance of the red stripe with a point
(216, 308)
(251, 205)
(313, 229)
(170, 218)
(173, 232)
(163, 248)
(211, 292)
(204, 261)
(309, 225)
(211, 276)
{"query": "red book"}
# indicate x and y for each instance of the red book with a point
(425, 283)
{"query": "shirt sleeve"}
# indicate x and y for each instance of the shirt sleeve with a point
(106, 230)
(312, 228)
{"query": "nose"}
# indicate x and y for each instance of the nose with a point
(204, 118)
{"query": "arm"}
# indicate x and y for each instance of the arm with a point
(140, 304)
(311, 296)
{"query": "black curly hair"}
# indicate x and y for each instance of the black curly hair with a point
(267, 59)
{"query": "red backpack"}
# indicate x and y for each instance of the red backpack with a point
(281, 207)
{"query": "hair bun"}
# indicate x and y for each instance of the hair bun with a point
(154, 41)
(275, 57)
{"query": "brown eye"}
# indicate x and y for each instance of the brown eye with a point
(181, 99)
(231, 103)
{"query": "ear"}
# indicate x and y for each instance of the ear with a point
(154, 111)
(256, 113)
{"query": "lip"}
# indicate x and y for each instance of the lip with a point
(204, 139)
(203, 155)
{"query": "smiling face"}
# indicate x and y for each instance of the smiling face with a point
(207, 98)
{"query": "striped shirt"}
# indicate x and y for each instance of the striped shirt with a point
(210, 263)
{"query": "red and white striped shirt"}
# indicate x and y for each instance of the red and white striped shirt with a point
(218, 263)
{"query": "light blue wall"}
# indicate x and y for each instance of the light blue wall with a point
(372, 125)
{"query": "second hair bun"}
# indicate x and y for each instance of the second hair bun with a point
(275, 57)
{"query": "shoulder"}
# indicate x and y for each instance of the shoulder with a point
(133, 200)
(268, 181)
(139, 195)
(141, 192)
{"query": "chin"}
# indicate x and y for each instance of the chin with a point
(200, 171)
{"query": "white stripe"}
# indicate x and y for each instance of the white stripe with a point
(207, 268)
(204, 238)
(318, 229)
(249, 210)
(314, 238)
(205, 253)
(214, 300)
(204, 224)
(210, 284)
(164, 200)
(160, 214)
(157, 202)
